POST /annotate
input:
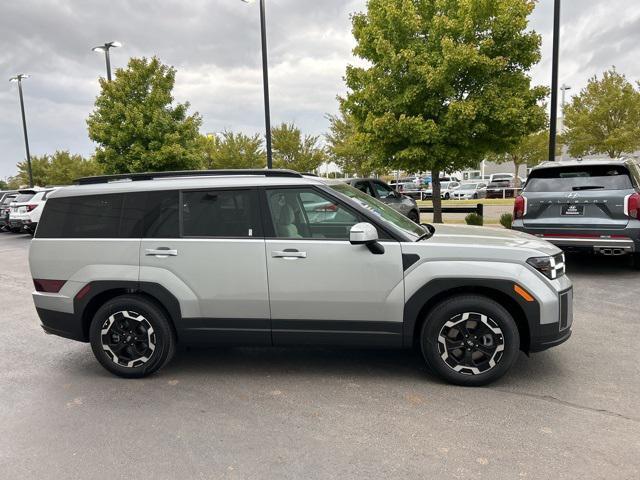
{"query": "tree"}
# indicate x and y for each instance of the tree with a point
(348, 147)
(4, 185)
(138, 127)
(233, 150)
(530, 151)
(294, 151)
(61, 168)
(445, 83)
(604, 117)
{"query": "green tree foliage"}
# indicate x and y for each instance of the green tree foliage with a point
(530, 151)
(445, 83)
(4, 185)
(295, 151)
(138, 127)
(604, 118)
(61, 168)
(348, 147)
(233, 150)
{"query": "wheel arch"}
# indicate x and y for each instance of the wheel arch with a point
(525, 314)
(102, 291)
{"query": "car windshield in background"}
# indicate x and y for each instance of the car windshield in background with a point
(385, 213)
(469, 186)
(23, 197)
(580, 177)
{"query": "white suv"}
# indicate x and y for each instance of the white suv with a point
(134, 264)
(25, 215)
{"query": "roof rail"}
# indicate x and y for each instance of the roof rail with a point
(136, 177)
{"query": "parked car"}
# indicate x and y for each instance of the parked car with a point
(232, 258)
(501, 189)
(470, 191)
(402, 185)
(495, 177)
(383, 192)
(28, 213)
(7, 198)
(589, 205)
(446, 190)
(20, 206)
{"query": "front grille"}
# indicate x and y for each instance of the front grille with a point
(566, 309)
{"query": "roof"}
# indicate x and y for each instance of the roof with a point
(185, 180)
(577, 163)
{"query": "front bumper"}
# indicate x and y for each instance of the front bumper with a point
(549, 335)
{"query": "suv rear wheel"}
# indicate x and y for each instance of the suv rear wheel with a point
(131, 337)
(469, 340)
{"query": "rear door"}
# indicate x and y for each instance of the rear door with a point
(208, 248)
(588, 196)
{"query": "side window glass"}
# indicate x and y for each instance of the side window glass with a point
(161, 215)
(306, 213)
(364, 187)
(91, 216)
(382, 190)
(221, 213)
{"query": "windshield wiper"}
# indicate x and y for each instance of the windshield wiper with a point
(588, 187)
(430, 231)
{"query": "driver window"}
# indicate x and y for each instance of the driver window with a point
(306, 213)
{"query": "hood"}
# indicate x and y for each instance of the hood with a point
(465, 235)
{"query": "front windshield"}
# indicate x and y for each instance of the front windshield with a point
(387, 214)
(469, 186)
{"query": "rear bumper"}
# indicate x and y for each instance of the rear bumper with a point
(623, 240)
(66, 325)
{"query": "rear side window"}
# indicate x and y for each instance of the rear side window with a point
(580, 177)
(221, 213)
(130, 215)
(23, 197)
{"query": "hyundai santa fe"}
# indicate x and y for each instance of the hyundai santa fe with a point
(136, 264)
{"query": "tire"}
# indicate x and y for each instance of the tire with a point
(143, 325)
(489, 347)
(475, 196)
(414, 216)
(447, 196)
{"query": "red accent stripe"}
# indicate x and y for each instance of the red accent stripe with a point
(83, 291)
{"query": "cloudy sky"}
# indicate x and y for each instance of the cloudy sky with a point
(214, 44)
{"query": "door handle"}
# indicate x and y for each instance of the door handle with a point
(161, 252)
(289, 254)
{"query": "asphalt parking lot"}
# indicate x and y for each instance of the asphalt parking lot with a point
(571, 412)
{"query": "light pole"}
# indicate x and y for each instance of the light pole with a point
(563, 89)
(105, 48)
(553, 123)
(18, 78)
(265, 81)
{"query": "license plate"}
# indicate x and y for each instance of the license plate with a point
(572, 210)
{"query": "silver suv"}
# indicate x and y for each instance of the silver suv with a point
(135, 264)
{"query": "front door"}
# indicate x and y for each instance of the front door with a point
(322, 289)
(214, 262)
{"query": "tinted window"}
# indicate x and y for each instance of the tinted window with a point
(580, 177)
(382, 190)
(364, 187)
(130, 215)
(221, 213)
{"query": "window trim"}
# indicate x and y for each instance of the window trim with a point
(220, 237)
(269, 229)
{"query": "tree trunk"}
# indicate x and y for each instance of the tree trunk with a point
(516, 179)
(437, 201)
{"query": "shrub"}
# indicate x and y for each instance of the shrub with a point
(506, 219)
(474, 219)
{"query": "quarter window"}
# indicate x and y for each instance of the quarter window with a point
(221, 213)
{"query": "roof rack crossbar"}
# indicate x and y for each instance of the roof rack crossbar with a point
(136, 177)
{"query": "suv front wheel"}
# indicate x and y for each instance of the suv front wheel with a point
(131, 336)
(469, 340)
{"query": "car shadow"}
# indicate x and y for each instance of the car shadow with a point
(583, 263)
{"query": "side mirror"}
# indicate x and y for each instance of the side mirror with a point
(366, 234)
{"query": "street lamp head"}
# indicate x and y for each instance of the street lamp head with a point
(115, 44)
(249, 1)
(18, 77)
(106, 46)
(101, 48)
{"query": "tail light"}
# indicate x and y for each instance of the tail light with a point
(519, 207)
(329, 207)
(632, 205)
(31, 207)
(48, 286)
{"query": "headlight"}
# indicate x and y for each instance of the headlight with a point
(550, 267)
